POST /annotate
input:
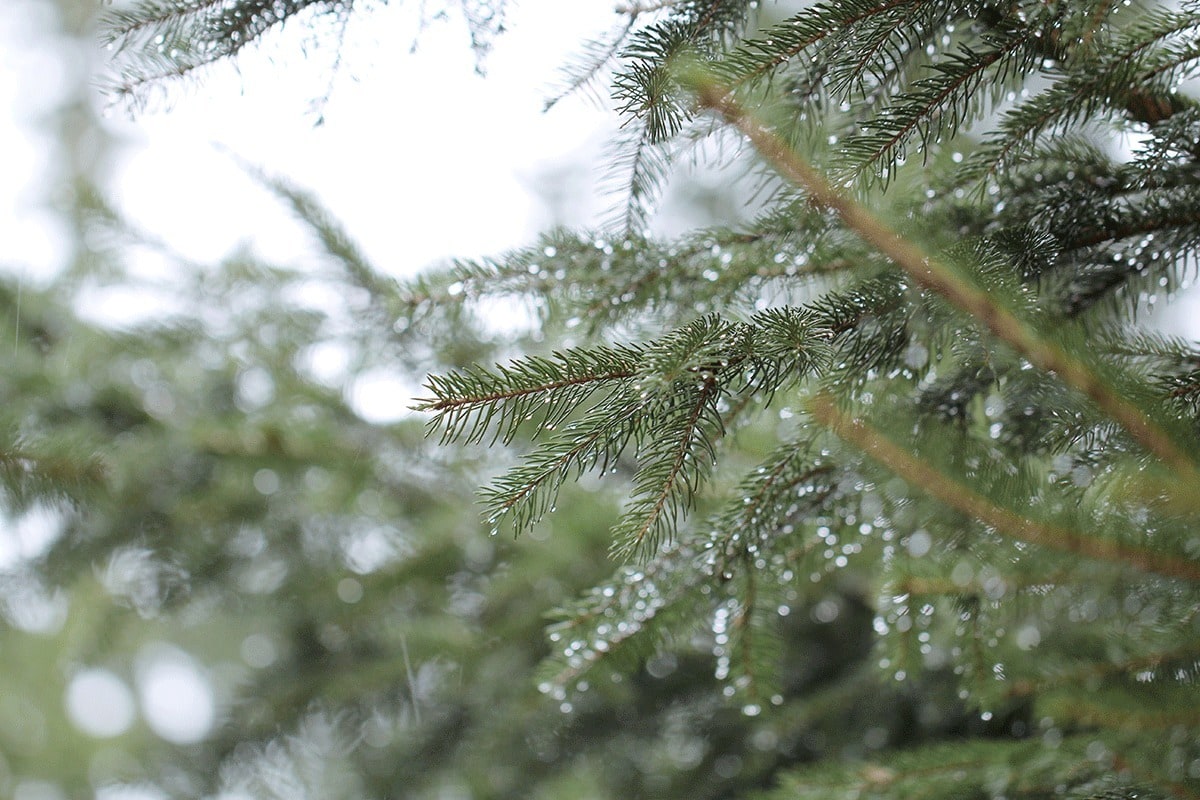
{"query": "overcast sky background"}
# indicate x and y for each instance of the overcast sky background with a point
(420, 156)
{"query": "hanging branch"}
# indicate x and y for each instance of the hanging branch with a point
(942, 279)
(940, 101)
(598, 54)
(467, 403)
(956, 495)
(667, 486)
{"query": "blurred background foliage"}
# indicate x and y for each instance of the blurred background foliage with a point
(237, 587)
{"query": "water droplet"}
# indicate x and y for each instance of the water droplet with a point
(919, 543)
(916, 356)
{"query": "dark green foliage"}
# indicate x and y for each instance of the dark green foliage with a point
(1062, 236)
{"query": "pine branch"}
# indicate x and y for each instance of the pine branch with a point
(958, 496)
(940, 278)
(466, 404)
(941, 103)
(1085, 91)
(597, 56)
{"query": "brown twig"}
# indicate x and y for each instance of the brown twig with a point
(921, 474)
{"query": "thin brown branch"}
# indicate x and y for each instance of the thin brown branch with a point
(922, 475)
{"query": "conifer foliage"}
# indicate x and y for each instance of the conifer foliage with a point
(932, 321)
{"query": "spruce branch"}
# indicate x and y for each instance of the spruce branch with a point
(1177, 661)
(598, 55)
(121, 28)
(766, 500)
(33, 471)
(782, 44)
(173, 39)
(1094, 87)
(942, 279)
(676, 461)
(745, 634)
(466, 404)
(625, 618)
(640, 166)
(712, 11)
(663, 397)
(920, 474)
(528, 491)
(1022, 769)
(745, 536)
(941, 102)
(1089, 710)
(1158, 215)
(336, 241)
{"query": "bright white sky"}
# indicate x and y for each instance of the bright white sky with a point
(419, 156)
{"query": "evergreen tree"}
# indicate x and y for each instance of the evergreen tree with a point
(896, 456)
